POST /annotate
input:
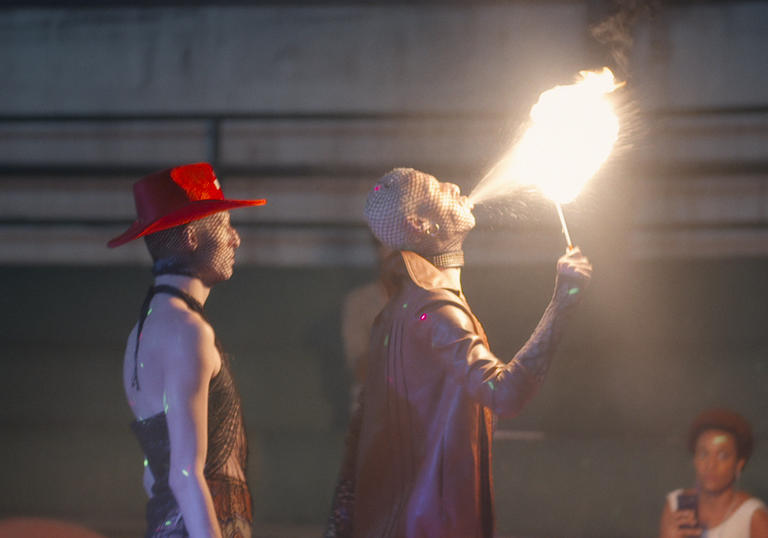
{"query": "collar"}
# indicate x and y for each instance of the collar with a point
(422, 273)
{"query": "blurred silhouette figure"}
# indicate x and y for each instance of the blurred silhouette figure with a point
(361, 306)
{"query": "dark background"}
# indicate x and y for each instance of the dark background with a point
(634, 368)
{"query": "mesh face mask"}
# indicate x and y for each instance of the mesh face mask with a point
(411, 210)
(211, 261)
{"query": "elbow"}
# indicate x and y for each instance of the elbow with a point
(512, 403)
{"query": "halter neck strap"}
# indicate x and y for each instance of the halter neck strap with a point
(192, 303)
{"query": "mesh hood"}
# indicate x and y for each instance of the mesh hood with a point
(211, 261)
(410, 210)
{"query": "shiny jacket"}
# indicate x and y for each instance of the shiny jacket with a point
(418, 460)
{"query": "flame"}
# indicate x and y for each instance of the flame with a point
(571, 132)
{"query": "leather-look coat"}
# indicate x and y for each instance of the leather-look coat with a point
(418, 460)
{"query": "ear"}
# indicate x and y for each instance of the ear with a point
(416, 229)
(190, 238)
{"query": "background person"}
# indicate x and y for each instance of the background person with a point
(359, 309)
(721, 443)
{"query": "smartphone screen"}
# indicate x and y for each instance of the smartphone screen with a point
(689, 502)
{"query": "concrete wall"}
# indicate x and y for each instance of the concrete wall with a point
(485, 64)
(273, 58)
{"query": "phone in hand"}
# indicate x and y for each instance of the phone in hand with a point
(687, 501)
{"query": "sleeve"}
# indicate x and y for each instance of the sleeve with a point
(505, 388)
(341, 518)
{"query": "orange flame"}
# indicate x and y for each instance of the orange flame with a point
(572, 132)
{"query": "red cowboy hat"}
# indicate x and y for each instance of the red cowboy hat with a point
(176, 196)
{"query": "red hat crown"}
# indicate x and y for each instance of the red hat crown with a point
(176, 196)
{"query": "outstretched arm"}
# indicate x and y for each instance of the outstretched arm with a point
(506, 388)
(573, 274)
(192, 359)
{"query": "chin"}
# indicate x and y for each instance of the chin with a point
(715, 487)
(218, 276)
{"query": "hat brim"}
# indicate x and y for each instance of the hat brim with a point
(191, 212)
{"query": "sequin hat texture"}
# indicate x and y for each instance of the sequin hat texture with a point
(176, 196)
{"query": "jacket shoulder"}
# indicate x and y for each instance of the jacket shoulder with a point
(435, 298)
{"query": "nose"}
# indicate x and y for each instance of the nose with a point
(235, 238)
(451, 189)
(710, 463)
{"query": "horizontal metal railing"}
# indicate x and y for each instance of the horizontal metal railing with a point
(213, 121)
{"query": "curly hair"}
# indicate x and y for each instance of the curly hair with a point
(728, 421)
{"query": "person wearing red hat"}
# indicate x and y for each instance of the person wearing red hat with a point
(188, 417)
(418, 455)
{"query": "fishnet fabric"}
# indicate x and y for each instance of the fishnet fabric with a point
(171, 252)
(537, 353)
(405, 192)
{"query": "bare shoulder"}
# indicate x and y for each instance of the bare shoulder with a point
(758, 527)
(186, 338)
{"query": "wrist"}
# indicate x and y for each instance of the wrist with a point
(568, 289)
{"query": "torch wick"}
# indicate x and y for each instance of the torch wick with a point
(564, 226)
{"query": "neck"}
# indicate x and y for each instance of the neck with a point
(454, 274)
(718, 498)
(191, 285)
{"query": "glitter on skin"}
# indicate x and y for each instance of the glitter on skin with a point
(573, 291)
(405, 305)
(146, 462)
(185, 472)
(423, 316)
(377, 187)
